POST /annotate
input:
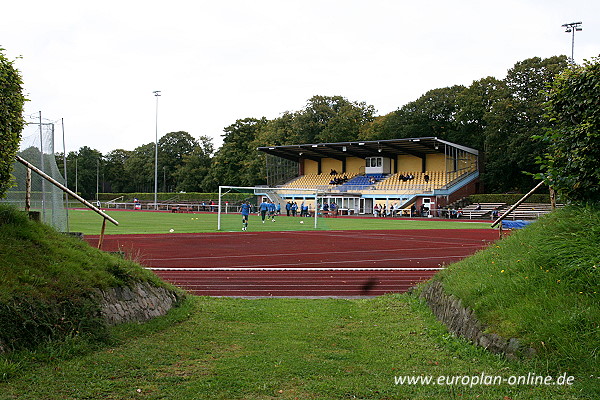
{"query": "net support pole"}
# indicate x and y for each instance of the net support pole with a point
(219, 212)
(316, 207)
(42, 166)
(28, 190)
(102, 233)
(517, 204)
(65, 169)
(66, 189)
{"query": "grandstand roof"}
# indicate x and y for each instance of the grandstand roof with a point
(386, 148)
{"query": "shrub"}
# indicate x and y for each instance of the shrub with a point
(11, 118)
(571, 164)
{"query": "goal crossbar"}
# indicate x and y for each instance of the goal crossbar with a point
(259, 190)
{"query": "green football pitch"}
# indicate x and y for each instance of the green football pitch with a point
(144, 222)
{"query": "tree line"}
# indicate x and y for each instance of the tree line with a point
(499, 117)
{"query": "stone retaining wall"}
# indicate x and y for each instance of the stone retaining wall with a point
(140, 302)
(462, 321)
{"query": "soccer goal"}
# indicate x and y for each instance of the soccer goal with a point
(301, 203)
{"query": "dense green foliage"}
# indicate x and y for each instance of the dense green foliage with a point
(542, 285)
(497, 117)
(571, 165)
(46, 282)
(11, 118)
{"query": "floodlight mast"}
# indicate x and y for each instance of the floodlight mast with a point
(157, 95)
(572, 27)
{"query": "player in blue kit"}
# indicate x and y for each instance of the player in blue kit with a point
(272, 211)
(246, 209)
(263, 208)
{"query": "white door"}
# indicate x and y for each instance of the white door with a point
(428, 203)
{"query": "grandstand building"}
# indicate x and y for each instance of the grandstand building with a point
(425, 172)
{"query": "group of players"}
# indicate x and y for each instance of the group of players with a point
(266, 208)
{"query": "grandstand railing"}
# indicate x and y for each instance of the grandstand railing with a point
(514, 206)
(459, 179)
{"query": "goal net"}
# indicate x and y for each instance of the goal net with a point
(37, 147)
(287, 209)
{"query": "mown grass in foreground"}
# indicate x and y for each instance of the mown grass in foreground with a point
(143, 222)
(223, 348)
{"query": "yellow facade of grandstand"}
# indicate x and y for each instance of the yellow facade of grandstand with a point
(402, 171)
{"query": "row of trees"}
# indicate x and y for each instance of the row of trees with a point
(541, 121)
(498, 117)
(183, 162)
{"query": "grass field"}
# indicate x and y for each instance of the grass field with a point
(141, 222)
(279, 349)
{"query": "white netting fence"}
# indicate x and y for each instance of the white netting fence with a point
(37, 147)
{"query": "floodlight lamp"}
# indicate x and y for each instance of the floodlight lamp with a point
(578, 29)
(568, 30)
(379, 150)
(361, 144)
(343, 148)
(315, 145)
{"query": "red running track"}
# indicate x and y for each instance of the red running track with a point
(314, 263)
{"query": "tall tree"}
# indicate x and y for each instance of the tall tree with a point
(280, 131)
(332, 119)
(140, 168)
(172, 149)
(191, 174)
(235, 163)
(433, 114)
(89, 172)
(116, 178)
(573, 108)
(511, 151)
(474, 105)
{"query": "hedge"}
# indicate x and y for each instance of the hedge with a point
(507, 198)
(174, 197)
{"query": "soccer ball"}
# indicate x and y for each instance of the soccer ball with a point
(301, 222)
(171, 230)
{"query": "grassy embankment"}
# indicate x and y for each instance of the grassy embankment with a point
(541, 284)
(336, 349)
(46, 279)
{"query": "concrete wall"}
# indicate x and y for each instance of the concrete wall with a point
(354, 165)
(436, 162)
(311, 167)
(327, 164)
(409, 164)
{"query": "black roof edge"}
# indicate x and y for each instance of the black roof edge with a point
(362, 149)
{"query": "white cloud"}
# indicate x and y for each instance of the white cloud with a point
(96, 65)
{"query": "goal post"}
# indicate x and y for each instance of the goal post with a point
(231, 198)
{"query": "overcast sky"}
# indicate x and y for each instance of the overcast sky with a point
(96, 64)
